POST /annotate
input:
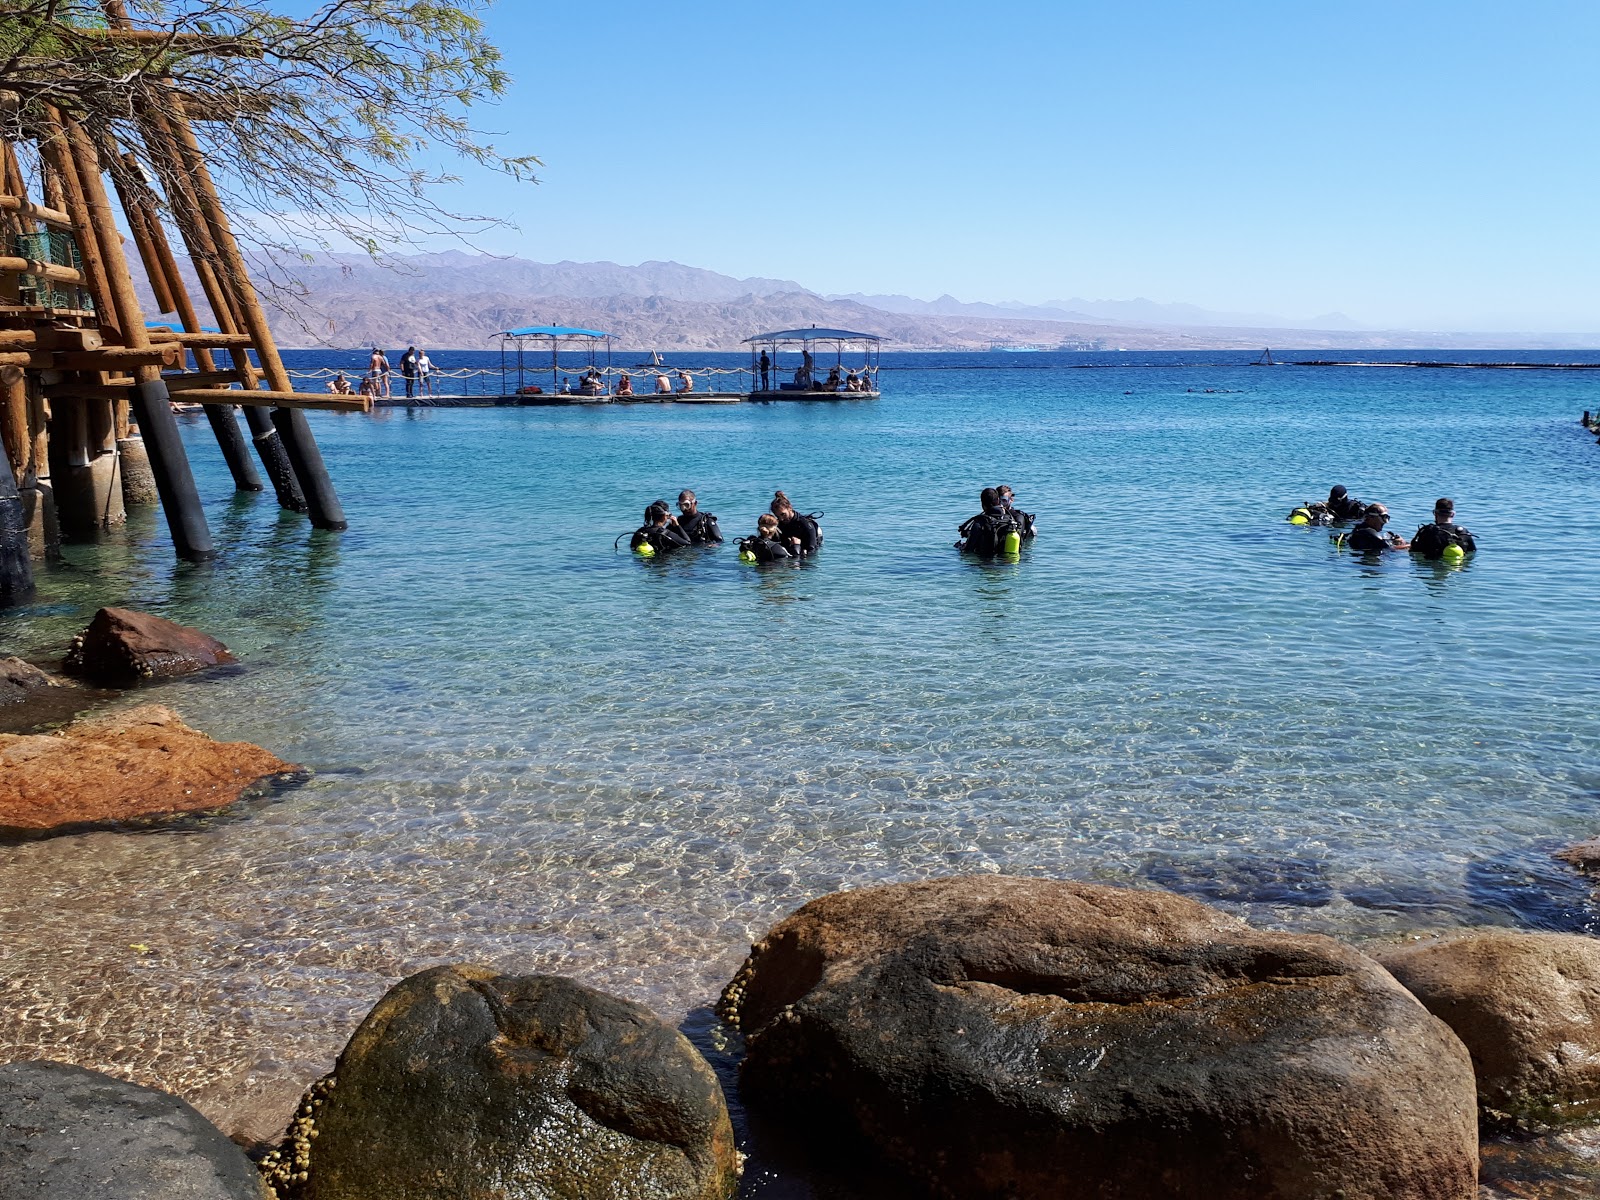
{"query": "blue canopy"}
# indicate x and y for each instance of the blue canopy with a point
(551, 331)
(813, 335)
(177, 327)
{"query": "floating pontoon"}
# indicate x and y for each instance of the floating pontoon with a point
(804, 381)
(592, 387)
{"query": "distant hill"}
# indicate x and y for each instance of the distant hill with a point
(455, 300)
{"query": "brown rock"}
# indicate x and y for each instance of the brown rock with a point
(1527, 1005)
(1583, 855)
(463, 1084)
(123, 647)
(138, 763)
(1028, 1038)
(18, 680)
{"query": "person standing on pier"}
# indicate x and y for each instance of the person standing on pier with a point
(378, 368)
(408, 370)
(766, 367)
(425, 372)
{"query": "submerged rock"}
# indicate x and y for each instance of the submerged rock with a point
(1021, 1038)
(70, 1132)
(467, 1085)
(1527, 1006)
(131, 765)
(19, 680)
(1583, 855)
(123, 647)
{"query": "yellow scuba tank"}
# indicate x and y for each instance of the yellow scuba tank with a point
(645, 550)
(1453, 554)
(746, 556)
(1300, 516)
(1011, 543)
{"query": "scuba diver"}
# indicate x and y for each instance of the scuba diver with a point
(1438, 538)
(700, 528)
(659, 534)
(1024, 520)
(767, 545)
(993, 531)
(801, 532)
(1369, 536)
(1342, 506)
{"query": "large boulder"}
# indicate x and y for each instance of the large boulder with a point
(463, 1084)
(1527, 1006)
(1583, 855)
(19, 680)
(70, 1132)
(1020, 1038)
(130, 765)
(122, 647)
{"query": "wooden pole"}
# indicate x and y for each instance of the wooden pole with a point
(16, 569)
(203, 253)
(322, 502)
(54, 149)
(180, 499)
(14, 430)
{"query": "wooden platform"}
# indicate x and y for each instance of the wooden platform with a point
(548, 400)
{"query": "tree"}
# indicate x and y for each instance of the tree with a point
(318, 129)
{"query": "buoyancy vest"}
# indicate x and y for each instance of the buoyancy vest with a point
(763, 550)
(700, 528)
(1434, 538)
(984, 534)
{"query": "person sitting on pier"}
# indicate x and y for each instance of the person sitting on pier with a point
(1369, 536)
(369, 386)
(663, 384)
(767, 545)
(799, 377)
(852, 381)
(685, 383)
(1342, 506)
(984, 534)
(589, 384)
(339, 385)
(659, 532)
(700, 528)
(1434, 539)
(832, 384)
(801, 532)
(624, 384)
(1008, 501)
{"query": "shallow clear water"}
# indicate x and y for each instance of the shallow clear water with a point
(533, 752)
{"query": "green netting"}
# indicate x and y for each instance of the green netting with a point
(52, 246)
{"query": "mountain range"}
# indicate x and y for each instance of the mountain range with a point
(456, 300)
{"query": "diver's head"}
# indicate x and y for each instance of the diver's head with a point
(1337, 492)
(1007, 496)
(767, 525)
(1444, 509)
(1376, 516)
(780, 505)
(989, 498)
(656, 514)
(687, 503)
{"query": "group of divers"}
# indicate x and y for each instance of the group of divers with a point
(782, 533)
(1440, 540)
(999, 530)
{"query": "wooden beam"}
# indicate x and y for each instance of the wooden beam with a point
(212, 340)
(190, 380)
(36, 212)
(265, 399)
(10, 265)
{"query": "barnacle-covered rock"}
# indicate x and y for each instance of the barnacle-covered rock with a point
(122, 647)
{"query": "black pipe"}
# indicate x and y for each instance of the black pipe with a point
(16, 571)
(233, 447)
(180, 500)
(275, 459)
(309, 468)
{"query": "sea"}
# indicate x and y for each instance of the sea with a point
(534, 750)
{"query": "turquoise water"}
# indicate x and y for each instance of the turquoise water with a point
(537, 753)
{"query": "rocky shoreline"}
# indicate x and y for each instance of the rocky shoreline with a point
(974, 1035)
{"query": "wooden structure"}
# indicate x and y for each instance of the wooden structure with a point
(86, 382)
(805, 384)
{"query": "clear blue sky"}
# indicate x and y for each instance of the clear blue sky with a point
(1415, 163)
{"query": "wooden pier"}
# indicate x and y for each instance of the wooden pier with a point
(86, 381)
(557, 400)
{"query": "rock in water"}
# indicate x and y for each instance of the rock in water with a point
(67, 1133)
(1029, 1038)
(1527, 1005)
(19, 679)
(1583, 855)
(467, 1085)
(130, 765)
(123, 647)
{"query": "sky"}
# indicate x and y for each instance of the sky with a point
(1422, 164)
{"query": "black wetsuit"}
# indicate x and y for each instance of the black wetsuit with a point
(1432, 539)
(805, 528)
(700, 528)
(1024, 520)
(984, 534)
(661, 538)
(1346, 508)
(767, 549)
(1367, 539)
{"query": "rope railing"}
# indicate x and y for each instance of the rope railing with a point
(476, 381)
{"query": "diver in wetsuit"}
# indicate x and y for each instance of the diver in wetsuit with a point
(1024, 520)
(1342, 506)
(984, 534)
(768, 544)
(700, 528)
(1442, 532)
(659, 531)
(1369, 536)
(801, 533)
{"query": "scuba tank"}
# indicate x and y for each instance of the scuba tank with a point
(645, 550)
(1452, 554)
(1300, 516)
(1011, 543)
